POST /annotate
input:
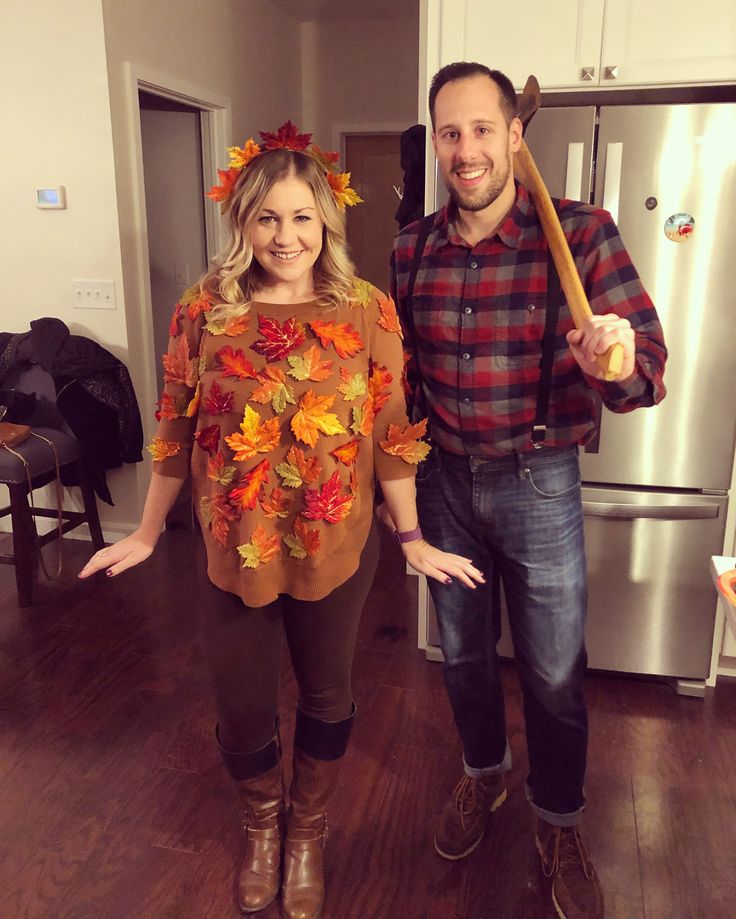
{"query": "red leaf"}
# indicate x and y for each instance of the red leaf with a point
(287, 136)
(209, 438)
(327, 503)
(278, 340)
(218, 402)
(235, 364)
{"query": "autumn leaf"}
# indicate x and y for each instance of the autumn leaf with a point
(347, 453)
(363, 418)
(339, 183)
(275, 505)
(209, 438)
(278, 340)
(298, 469)
(171, 406)
(178, 366)
(257, 436)
(342, 335)
(352, 386)
(287, 136)
(218, 402)
(363, 291)
(274, 389)
(246, 493)
(235, 364)
(308, 366)
(160, 449)
(405, 442)
(389, 317)
(260, 550)
(313, 419)
(193, 406)
(327, 503)
(353, 486)
(302, 541)
(326, 158)
(379, 386)
(196, 300)
(241, 156)
(217, 515)
(219, 472)
(228, 178)
(231, 326)
(175, 324)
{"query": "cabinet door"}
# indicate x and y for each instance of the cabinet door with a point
(668, 42)
(554, 41)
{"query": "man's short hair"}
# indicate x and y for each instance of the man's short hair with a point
(463, 69)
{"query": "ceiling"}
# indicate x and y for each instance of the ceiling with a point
(328, 10)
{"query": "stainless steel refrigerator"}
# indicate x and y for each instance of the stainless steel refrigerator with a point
(656, 480)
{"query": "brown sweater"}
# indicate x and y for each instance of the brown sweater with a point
(283, 419)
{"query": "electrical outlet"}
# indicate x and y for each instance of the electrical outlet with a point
(181, 273)
(94, 295)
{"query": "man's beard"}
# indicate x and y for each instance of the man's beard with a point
(479, 200)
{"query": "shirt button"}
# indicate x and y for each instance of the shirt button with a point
(531, 307)
(466, 400)
(466, 356)
(468, 310)
(473, 264)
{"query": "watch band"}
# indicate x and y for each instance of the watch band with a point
(408, 535)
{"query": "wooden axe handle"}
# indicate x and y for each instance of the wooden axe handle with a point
(611, 361)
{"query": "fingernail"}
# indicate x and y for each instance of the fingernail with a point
(109, 572)
(448, 580)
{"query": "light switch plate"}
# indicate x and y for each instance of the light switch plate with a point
(94, 295)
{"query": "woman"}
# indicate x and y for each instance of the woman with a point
(283, 398)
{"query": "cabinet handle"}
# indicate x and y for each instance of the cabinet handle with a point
(587, 73)
(612, 179)
(649, 511)
(611, 73)
(574, 173)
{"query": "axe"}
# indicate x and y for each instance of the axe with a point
(524, 166)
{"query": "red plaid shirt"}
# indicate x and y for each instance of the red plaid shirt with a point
(478, 320)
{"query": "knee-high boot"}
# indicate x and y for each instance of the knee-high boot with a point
(260, 786)
(318, 748)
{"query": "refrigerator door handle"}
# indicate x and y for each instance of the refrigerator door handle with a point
(574, 173)
(650, 511)
(612, 179)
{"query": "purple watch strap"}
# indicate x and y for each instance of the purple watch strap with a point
(408, 536)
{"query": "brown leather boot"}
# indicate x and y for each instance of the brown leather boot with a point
(260, 786)
(315, 778)
(465, 815)
(568, 876)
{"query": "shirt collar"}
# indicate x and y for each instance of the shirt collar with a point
(515, 227)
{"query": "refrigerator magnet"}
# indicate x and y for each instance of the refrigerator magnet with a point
(679, 227)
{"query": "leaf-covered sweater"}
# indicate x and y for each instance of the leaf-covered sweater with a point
(284, 417)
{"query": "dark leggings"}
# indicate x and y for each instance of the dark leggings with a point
(242, 645)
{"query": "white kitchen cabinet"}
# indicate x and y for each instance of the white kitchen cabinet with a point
(582, 44)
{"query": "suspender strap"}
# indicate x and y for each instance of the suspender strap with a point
(425, 228)
(554, 297)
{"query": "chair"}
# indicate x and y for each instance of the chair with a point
(47, 421)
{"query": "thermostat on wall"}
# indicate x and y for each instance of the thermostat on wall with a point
(53, 197)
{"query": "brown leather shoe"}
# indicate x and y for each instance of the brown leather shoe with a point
(258, 882)
(465, 815)
(306, 831)
(568, 875)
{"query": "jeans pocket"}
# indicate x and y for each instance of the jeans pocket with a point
(556, 479)
(429, 468)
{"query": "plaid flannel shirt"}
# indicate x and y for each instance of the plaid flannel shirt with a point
(478, 320)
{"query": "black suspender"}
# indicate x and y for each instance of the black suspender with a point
(425, 228)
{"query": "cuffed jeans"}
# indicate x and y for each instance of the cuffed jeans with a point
(519, 518)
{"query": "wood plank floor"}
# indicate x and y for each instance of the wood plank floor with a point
(113, 803)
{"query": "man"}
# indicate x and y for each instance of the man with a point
(502, 485)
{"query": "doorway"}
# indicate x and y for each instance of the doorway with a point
(374, 162)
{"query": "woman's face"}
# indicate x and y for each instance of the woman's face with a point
(287, 234)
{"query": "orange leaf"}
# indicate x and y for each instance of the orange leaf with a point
(257, 436)
(276, 504)
(175, 324)
(235, 364)
(405, 443)
(347, 453)
(160, 449)
(308, 366)
(217, 515)
(171, 407)
(342, 335)
(260, 550)
(219, 472)
(299, 470)
(278, 340)
(379, 386)
(327, 503)
(228, 178)
(313, 419)
(178, 367)
(389, 317)
(274, 389)
(363, 418)
(246, 493)
(341, 191)
(303, 541)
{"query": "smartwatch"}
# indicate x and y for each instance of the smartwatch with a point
(408, 535)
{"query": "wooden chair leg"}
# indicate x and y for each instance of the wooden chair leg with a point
(90, 508)
(24, 544)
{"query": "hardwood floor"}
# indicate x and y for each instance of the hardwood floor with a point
(113, 803)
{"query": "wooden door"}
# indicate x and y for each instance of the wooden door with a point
(374, 163)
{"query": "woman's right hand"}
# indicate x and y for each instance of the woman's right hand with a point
(118, 557)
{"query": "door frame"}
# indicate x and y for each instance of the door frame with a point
(216, 131)
(341, 131)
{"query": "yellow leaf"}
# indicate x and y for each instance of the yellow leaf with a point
(313, 419)
(257, 436)
(160, 449)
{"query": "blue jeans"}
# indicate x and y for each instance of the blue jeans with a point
(519, 518)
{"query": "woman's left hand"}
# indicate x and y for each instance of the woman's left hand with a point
(442, 566)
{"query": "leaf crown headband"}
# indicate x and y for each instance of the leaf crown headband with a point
(287, 138)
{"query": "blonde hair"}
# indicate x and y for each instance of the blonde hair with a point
(232, 283)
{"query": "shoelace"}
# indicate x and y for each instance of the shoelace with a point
(569, 852)
(464, 797)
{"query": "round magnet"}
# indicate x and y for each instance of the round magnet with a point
(679, 227)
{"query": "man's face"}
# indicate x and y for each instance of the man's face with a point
(472, 141)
